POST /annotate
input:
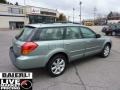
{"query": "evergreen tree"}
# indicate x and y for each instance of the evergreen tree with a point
(3, 1)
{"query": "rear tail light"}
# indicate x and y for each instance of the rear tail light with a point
(28, 47)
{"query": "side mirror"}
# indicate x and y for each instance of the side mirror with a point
(98, 35)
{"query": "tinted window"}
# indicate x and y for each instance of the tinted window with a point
(118, 26)
(112, 27)
(73, 33)
(41, 19)
(87, 33)
(49, 34)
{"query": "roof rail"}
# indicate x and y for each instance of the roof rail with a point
(52, 22)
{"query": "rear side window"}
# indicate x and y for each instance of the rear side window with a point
(73, 33)
(46, 34)
(25, 34)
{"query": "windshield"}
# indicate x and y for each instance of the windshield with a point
(25, 34)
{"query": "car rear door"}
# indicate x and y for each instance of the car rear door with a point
(73, 42)
(24, 36)
(92, 44)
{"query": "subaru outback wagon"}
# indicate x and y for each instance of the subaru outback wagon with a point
(53, 46)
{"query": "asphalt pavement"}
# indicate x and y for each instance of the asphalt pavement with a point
(92, 73)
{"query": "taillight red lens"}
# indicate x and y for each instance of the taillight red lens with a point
(28, 47)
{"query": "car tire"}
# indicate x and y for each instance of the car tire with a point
(57, 65)
(106, 51)
(113, 33)
(106, 34)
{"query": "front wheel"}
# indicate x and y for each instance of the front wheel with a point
(106, 34)
(113, 33)
(57, 65)
(106, 51)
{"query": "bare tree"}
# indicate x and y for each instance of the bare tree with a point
(16, 4)
(61, 18)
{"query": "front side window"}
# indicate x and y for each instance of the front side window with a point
(47, 34)
(87, 33)
(73, 33)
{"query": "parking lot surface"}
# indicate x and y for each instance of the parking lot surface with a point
(92, 73)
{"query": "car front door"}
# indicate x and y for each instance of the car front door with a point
(73, 42)
(92, 44)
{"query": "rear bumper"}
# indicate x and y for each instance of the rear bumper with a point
(27, 62)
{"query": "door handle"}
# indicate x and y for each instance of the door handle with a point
(67, 43)
(88, 41)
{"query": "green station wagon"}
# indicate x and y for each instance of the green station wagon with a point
(53, 46)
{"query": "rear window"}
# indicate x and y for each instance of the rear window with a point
(25, 33)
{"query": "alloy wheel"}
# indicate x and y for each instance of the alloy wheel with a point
(106, 50)
(58, 66)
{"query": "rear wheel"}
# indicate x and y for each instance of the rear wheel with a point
(57, 65)
(106, 51)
